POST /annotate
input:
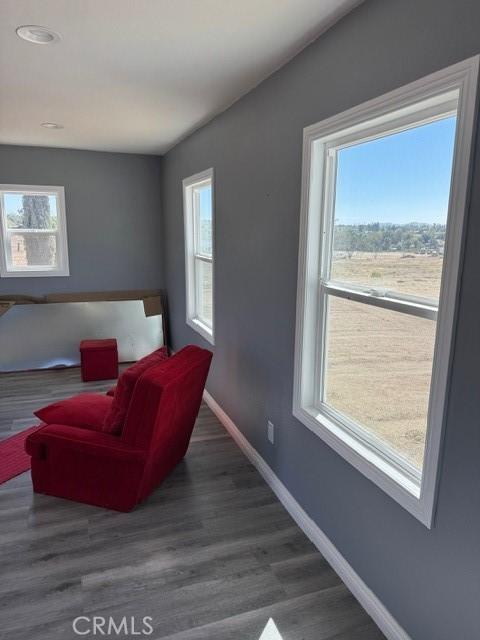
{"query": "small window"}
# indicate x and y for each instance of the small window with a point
(382, 213)
(33, 231)
(199, 251)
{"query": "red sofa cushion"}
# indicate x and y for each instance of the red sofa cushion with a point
(146, 425)
(86, 410)
(115, 418)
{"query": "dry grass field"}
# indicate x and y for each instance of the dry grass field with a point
(407, 273)
(379, 362)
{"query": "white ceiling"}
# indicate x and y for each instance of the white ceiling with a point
(139, 75)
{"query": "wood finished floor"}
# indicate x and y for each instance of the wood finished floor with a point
(211, 555)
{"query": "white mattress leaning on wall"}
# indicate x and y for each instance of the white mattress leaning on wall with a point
(40, 336)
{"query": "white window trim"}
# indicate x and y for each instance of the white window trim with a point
(191, 257)
(61, 231)
(416, 494)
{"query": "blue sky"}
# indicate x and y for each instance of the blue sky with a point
(401, 178)
(205, 203)
(205, 219)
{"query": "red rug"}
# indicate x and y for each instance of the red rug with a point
(13, 459)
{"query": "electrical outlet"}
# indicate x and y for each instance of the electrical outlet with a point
(270, 431)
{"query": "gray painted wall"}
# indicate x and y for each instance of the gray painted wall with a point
(429, 580)
(113, 217)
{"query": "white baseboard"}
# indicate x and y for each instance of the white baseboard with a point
(365, 596)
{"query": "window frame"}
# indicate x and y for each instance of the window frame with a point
(193, 256)
(61, 233)
(415, 491)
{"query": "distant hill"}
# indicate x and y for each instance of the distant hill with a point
(414, 237)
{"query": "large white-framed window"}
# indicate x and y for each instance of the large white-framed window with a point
(384, 194)
(33, 231)
(198, 207)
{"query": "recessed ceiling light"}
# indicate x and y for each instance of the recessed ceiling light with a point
(36, 34)
(52, 125)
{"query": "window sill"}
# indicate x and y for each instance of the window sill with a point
(34, 273)
(202, 329)
(377, 468)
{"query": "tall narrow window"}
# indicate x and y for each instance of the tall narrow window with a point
(199, 254)
(384, 198)
(33, 233)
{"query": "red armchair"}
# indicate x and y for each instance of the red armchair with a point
(118, 472)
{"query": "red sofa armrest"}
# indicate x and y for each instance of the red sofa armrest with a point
(86, 466)
(84, 441)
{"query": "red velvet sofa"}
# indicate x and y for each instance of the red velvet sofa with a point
(119, 471)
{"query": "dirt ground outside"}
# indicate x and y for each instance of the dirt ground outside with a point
(379, 362)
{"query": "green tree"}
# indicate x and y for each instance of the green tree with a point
(40, 248)
(36, 212)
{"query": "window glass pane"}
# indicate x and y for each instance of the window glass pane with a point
(378, 370)
(30, 211)
(204, 291)
(203, 219)
(391, 207)
(29, 250)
